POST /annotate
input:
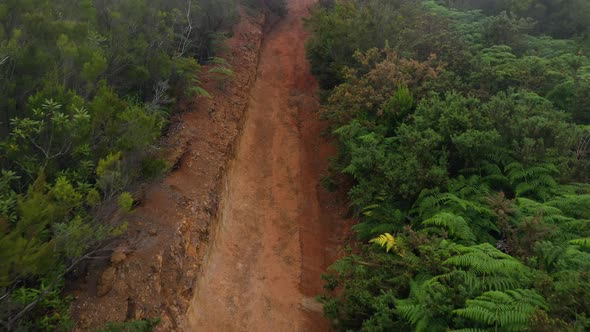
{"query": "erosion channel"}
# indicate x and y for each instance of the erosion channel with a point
(278, 229)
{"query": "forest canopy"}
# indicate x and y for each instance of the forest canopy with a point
(464, 140)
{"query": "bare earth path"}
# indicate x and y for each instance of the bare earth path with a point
(278, 229)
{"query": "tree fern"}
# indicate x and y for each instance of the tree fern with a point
(531, 207)
(222, 67)
(199, 91)
(575, 259)
(381, 217)
(509, 311)
(536, 181)
(493, 175)
(550, 253)
(415, 310)
(223, 71)
(577, 206)
(430, 204)
(456, 226)
(499, 155)
(495, 269)
(467, 201)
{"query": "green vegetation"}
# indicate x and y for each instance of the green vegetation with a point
(85, 91)
(465, 136)
(132, 326)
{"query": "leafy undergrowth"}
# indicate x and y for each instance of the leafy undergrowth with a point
(466, 137)
(86, 89)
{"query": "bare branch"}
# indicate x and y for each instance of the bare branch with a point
(188, 30)
(42, 295)
(160, 95)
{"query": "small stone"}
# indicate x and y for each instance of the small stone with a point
(106, 281)
(118, 257)
(156, 264)
(153, 231)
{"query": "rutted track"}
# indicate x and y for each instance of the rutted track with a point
(278, 229)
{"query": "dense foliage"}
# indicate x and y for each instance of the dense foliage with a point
(465, 136)
(85, 90)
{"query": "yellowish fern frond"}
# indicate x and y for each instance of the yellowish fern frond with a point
(584, 243)
(385, 240)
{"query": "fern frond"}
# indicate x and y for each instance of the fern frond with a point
(509, 310)
(550, 253)
(491, 169)
(515, 172)
(413, 313)
(222, 71)
(496, 269)
(219, 61)
(532, 207)
(456, 225)
(414, 309)
(197, 90)
(384, 240)
(577, 206)
(584, 243)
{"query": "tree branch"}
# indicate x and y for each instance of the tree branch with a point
(188, 29)
(41, 296)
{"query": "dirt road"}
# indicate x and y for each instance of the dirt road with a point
(278, 229)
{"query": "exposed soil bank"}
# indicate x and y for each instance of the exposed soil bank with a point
(278, 229)
(153, 270)
(241, 250)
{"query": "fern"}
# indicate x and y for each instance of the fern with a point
(385, 240)
(493, 268)
(379, 218)
(456, 225)
(550, 253)
(576, 206)
(584, 243)
(223, 71)
(531, 207)
(467, 201)
(413, 313)
(536, 181)
(416, 312)
(199, 91)
(470, 187)
(508, 311)
(222, 67)
(219, 61)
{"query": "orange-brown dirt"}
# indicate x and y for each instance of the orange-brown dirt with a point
(278, 228)
(153, 269)
(236, 237)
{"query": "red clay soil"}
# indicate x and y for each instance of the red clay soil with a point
(278, 229)
(237, 236)
(153, 269)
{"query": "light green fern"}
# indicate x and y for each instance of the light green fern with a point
(456, 225)
(385, 240)
(507, 311)
(585, 242)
